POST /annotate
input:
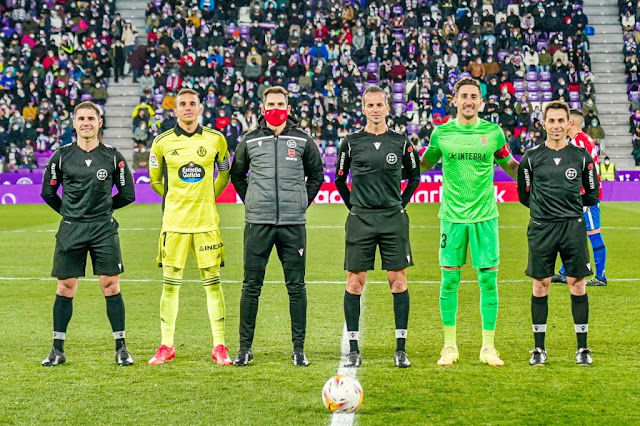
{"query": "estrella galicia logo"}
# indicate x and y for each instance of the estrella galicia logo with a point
(191, 172)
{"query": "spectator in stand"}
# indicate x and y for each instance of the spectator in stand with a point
(146, 80)
(595, 130)
(137, 60)
(140, 157)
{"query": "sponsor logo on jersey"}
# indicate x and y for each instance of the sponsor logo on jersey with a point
(121, 164)
(474, 156)
(260, 143)
(122, 179)
(392, 158)
(102, 174)
(291, 143)
(590, 166)
(153, 161)
(301, 251)
(557, 161)
(175, 152)
(191, 172)
(53, 182)
(410, 149)
(201, 151)
(571, 174)
(53, 172)
(484, 140)
(88, 162)
(377, 145)
(291, 155)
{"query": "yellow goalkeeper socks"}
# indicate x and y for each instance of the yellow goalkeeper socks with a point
(215, 303)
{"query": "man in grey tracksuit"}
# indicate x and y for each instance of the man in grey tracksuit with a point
(278, 157)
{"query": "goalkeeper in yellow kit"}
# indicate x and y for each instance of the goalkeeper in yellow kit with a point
(181, 167)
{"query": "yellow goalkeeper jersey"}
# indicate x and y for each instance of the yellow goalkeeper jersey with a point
(181, 169)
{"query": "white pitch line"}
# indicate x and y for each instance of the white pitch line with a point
(34, 231)
(346, 419)
(159, 279)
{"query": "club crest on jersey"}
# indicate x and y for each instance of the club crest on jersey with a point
(392, 158)
(484, 140)
(201, 151)
(291, 143)
(191, 172)
(102, 174)
(571, 174)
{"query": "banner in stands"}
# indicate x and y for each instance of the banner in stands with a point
(427, 192)
(35, 178)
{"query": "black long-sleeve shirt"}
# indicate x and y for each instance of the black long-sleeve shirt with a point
(550, 182)
(87, 179)
(376, 163)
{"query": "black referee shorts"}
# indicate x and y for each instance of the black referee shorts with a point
(75, 238)
(547, 239)
(367, 229)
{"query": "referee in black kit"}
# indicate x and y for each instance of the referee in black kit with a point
(376, 157)
(284, 175)
(87, 170)
(550, 179)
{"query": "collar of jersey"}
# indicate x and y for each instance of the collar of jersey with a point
(179, 131)
(469, 127)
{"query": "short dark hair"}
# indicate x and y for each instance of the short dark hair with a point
(577, 112)
(187, 92)
(87, 105)
(375, 89)
(556, 105)
(276, 89)
(466, 81)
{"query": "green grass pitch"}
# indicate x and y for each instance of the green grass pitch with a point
(90, 388)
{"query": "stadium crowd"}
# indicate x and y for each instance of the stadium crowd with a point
(324, 52)
(631, 29)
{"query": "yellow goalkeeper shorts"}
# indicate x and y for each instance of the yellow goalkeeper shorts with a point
(174, 247)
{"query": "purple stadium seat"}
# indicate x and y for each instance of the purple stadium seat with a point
(533, 97)
(501, 55)
(518, 85)
(399, 36)
(519, 95)
(397, 10)
(412, 106)
(229, 29)
(86, 97)
(42, 161)
(634, 96)
(575, 105)
(244, 29)
(465, 75)
(542, 44)
(360, 87)
(268, 25)
(412, 129)
(574, 96)
(398, 87)
(545, 86)
(399, 107)
(532, 86)
(544, 76)
(532, 76)
(398, 97)
(547, 96)
(372, 67)
(330, 161)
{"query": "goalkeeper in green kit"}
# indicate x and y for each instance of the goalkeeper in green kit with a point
(468, 214)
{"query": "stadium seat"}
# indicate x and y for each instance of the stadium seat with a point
(545, 86)
(398, 87)
(533, 97)
(399, 107)
(465, 75)
(398, 97)
(360, 87)
(502, 54)
(532, 86)
(544, 76)
(634, 96)
(413, 129)
(547, 96)
(372, 67)
(230, 29)
(532, 76)
(519, 94)
(575, 105)
(86, 97)
(541, 44)
(518, 85)
(574, 96)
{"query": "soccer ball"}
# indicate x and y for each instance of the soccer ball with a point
(342, 394)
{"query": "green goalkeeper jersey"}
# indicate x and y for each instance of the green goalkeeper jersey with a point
(468, 153)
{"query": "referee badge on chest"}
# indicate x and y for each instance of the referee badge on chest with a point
(201, 151)
(392, 158)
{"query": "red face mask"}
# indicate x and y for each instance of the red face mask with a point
(276, 117)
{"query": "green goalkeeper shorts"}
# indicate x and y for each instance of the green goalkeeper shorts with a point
(481, 237)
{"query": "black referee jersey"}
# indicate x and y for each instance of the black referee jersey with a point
(550, 182)
(376, 163)
(87, 179)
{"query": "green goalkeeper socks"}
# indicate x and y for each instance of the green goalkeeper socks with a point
(488, 281)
